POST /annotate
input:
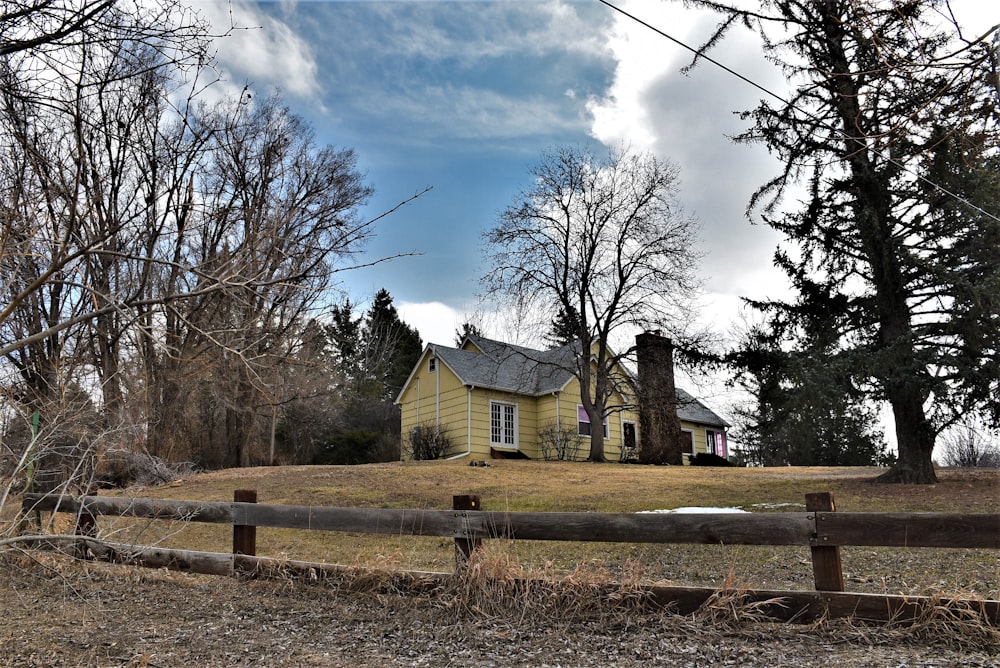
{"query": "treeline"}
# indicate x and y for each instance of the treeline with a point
(166, 262)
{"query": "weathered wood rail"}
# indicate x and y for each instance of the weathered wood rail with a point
(820, 528)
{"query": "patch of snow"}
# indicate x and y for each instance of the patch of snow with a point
(773, 506)
(696, 509)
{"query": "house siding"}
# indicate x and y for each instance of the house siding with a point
(569, 400)
(438, 399)
(699, 436)
(527, 421)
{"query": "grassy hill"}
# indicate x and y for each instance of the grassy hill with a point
(560, 486)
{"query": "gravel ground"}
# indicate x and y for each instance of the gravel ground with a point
(68, 614)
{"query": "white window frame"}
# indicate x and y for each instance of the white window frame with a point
(503, 425)
(580, 414)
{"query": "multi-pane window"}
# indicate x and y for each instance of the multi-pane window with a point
(583, 422)
(715, 442)
(503, 424)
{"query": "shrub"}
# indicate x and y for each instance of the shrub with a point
(426, 442)
(969, 445)
(709, 459)
(122, 468)
(558, 444)
(348, 447)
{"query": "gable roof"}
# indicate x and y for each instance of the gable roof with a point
(510, 368)
(690, 409)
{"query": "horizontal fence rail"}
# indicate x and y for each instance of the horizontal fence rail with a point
(908, 529)
(806, 529)
(820, 528)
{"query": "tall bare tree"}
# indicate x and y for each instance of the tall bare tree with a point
(84, 87)
(605, 243)
(275, 215)
(82, 198)
(154, 251)
(37, 35)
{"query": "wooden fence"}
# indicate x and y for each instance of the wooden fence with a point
(820, 527)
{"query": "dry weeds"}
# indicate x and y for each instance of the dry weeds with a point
(58, 613)
(514, 604)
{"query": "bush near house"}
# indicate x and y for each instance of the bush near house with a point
(709, 459)
(427, 442)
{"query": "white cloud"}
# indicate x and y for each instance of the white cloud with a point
(261, 49)
(466, 112)
(651, 105)
(469, 32)
(644, 58)
(436, 322)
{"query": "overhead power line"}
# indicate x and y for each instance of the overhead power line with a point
(820, 122)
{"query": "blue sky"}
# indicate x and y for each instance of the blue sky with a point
(460, 97)
(463, 97)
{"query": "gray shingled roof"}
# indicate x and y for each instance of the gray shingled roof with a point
(510, 368)
(690, 409)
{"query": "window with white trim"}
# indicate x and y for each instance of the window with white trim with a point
(503, 424)
(583, 422)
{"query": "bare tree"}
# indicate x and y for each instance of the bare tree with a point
(88, 197)
(38, 35)
(274, 214)
(606, 244)
(148, 243)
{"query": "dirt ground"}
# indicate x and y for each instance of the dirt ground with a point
(60, 613)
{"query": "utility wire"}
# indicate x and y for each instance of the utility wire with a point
(700, 54)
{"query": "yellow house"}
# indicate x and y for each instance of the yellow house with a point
(496, 400)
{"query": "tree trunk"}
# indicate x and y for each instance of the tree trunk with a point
(914, 437)
(109, 373)
(898, 367)
(594, 409)
(596, 442)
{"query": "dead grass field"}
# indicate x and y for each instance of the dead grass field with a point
(559, 486)
(58, 613)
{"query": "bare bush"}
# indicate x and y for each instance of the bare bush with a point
(970, 445)
(558, 444)
(125, 469)
(426, 442)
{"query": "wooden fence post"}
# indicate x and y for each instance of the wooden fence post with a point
(827, 569)
(464, 545)
(245, 536)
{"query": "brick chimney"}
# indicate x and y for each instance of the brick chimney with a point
(659, 427)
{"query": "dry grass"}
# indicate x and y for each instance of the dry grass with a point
(497, 609)
(520, 485)
(554, 486)
(731, 606)
(495, 584)
(544, 583)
